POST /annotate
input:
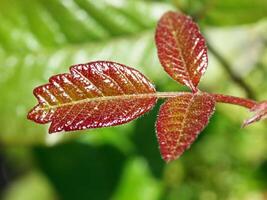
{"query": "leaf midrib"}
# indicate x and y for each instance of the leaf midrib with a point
(101, 98)
(120, 97)
(185, 119)
(178, 43)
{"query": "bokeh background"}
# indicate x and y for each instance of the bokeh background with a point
(39, 38)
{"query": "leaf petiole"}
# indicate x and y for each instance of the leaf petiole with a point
(220, 98)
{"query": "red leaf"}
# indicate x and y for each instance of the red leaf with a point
(260, 113)
(181, 49)
(96, 94)
(180, 121)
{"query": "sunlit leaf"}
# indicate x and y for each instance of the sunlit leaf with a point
(93, 95)
(180, 121)
(181, 49)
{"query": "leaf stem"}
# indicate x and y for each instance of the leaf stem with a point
(247, 103)
(220, 98)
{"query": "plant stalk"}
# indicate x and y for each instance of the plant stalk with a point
(220, 98)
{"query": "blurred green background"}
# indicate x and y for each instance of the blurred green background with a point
(39, 38)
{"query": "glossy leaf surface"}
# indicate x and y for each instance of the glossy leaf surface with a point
(180, 121)
(46, 41)
(260, 113)
(96, 94)
(181, 49)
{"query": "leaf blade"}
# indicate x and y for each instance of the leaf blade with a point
(181, 49)
(93, 95)
(180, 120)
(24, 67)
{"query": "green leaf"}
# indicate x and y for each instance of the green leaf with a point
(79, 171)
(41, 38)
(137, 182)
(226, 12)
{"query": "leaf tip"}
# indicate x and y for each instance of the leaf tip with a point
(169, 157)
(250, 121)
(260, 113)
(245, 124)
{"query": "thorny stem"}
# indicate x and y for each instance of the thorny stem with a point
(221, 98)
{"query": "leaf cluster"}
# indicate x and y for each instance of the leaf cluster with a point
(104, 93)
